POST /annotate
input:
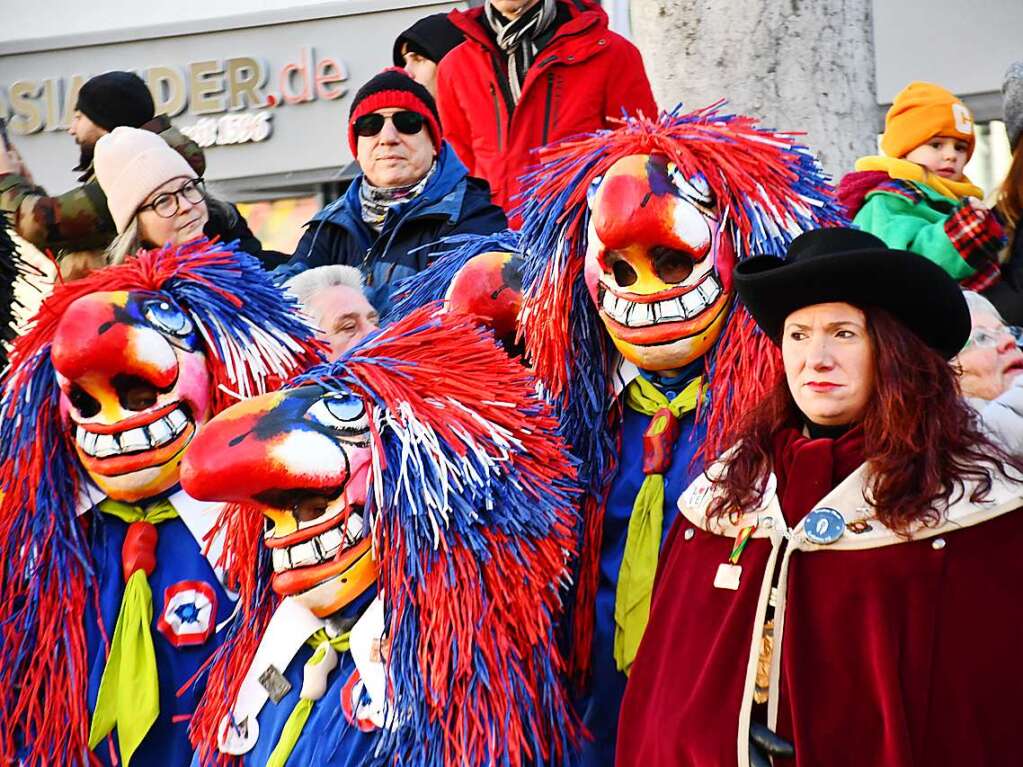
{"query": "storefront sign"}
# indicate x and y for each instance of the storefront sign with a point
(208, 87)
(266, 94)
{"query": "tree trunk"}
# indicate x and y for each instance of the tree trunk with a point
(798, 65)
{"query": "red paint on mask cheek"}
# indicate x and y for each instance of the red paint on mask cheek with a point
(592, 270)
(193, 386)
(361, 463)
(724, 257)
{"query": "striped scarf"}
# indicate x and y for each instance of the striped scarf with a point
(521, 39)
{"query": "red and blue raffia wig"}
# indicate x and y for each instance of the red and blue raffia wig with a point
(768, 188)
(252, 340)
(471, 508)
(451, 255)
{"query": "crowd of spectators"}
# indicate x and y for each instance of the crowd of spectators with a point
(444, 137)
(443, 140)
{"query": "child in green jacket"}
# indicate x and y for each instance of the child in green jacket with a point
(916, 197)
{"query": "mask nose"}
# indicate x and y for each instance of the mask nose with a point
(635, 206)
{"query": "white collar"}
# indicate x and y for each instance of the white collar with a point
(198, 516)
(289, 628)
(623, 373)
(862, 529)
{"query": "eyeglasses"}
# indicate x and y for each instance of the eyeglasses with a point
(166, 205)
(986, 338)
(409, 123)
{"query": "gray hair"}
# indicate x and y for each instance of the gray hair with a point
(978, 303)
(307, 284)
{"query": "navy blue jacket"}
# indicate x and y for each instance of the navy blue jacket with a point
(452, 203)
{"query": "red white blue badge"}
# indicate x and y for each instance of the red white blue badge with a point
(189, 613)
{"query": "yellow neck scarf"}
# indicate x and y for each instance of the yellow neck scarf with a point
(910, 171)
(129, 690)
(646, 524)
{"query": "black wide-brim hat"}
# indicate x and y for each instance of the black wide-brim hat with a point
(855, 267)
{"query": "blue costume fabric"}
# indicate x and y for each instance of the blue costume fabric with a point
(599, 708)
(178, 558)
(451, 203)
(327, 740)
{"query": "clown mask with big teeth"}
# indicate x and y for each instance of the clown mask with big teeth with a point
(302, 457)
(658, 268)
(134, 389)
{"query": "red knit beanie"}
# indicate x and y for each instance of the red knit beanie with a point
(394, 89)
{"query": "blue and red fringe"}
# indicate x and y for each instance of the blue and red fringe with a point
(769, 189)
(46, 572)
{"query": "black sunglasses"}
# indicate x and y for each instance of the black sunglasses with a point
(409, 123)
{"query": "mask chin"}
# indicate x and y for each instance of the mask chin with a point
(673, 354)
(333, 594)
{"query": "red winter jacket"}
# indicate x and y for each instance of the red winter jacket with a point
(586, 75)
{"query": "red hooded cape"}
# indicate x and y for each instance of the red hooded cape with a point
(903, 654)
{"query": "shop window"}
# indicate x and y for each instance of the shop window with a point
(279, 224)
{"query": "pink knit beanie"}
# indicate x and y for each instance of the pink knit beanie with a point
(130, 164)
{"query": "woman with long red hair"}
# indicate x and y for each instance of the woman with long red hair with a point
(842, 586)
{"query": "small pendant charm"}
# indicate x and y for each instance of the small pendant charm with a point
(728, 576)
(275, 683)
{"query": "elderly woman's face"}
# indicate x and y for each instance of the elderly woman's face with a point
(991, 359)
(829, 362)
(392, 158)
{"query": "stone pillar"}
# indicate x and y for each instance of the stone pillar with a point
(798, 65)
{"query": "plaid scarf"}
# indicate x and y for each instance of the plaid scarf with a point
(521, 39)
(377, 201)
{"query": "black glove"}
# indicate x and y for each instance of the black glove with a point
(764, 743)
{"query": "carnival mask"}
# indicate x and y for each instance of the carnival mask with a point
(302, 457)
(134, 388)
(658, 268)
(489, 287)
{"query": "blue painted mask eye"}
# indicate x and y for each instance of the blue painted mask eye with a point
(346, 408)
(591, 192)
(166, 316)
(344, 414)
(696, 188)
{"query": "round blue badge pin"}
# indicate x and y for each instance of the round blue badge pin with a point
(824, 525)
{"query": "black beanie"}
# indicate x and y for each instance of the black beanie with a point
(114, 99)
(432, 37)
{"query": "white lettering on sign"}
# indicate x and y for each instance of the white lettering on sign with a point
(230, 129)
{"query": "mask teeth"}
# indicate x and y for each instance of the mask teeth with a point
(134, 440)
(322, 548)
(684, 307)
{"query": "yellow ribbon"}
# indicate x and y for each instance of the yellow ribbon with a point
(299, 715)
(646, 525)
(129, 690)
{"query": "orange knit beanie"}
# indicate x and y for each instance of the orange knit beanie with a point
(920, 112)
